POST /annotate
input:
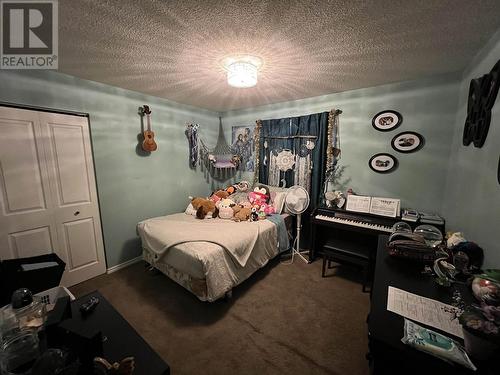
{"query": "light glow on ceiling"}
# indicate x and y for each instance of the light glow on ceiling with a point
(242, 71)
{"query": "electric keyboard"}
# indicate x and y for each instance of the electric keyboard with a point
(377, 224)
(355, 223)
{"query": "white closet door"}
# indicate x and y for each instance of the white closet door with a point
(76, 211)
(27, 226)
(62, 178)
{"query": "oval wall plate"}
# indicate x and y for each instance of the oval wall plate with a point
(407, 142)
(383, 163)
(387, 120)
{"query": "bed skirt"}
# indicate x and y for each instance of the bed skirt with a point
(196, 286)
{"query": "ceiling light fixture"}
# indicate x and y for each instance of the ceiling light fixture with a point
(242, 70)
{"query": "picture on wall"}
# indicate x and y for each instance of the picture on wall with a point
(242, 144)
(383, 163)
(407, 142)
(387, 120)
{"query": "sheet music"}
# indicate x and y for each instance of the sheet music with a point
(423, 310)
(385, 206)
(358, 203)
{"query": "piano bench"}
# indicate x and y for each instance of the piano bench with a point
(331, 254)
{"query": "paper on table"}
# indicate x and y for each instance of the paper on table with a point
(424, 310)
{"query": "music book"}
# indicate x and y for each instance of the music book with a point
(358, 203)
(385, 207)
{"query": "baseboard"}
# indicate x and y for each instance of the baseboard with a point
(124, 264)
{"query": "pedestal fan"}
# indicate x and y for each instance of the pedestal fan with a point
(296, 202)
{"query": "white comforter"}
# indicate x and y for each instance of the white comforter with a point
(209, 260)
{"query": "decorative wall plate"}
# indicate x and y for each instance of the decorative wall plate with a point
(407, 142)
(387, 120)
(383, 163)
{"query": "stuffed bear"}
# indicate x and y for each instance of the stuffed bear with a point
(218, 195)
(226, 208)
(204, 207)
(241, 213)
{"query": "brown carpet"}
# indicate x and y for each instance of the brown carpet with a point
(285, 319)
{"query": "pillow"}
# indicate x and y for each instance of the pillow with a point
(278, 200)
(239, 196)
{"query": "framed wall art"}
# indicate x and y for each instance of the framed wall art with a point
(407, 142)
(383, 163)
(387, 120)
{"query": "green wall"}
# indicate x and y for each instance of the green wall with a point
(456, 181)
(472, 199)
(428, 106)
(131, 187)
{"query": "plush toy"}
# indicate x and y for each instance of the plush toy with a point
(204, 207)
(242, 213)
(254, 216)
(261, 215)
(267, 209)
(218, 195)
(226, 208)
(259, 195)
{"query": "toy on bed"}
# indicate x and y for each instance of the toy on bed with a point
(259, 195)
(225, 207)
(204, 207)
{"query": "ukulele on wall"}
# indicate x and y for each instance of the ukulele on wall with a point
(149, 143)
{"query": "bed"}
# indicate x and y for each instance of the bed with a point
(209, 257)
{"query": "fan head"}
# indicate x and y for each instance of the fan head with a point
(297, 200)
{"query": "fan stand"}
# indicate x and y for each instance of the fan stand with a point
(296, 244)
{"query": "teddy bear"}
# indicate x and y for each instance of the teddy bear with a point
(225, 207)
(241, 213)
(204, 207)
(219, 195)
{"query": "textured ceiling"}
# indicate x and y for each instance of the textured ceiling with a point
(173, 49)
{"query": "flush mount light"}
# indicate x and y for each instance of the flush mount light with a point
(242, 70)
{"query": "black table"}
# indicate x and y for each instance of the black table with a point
(388, 355)
(121, 339)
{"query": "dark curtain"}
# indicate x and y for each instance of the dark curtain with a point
(315, 125)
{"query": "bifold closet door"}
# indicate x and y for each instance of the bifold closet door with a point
(49, 197)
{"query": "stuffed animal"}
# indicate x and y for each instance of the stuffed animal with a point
(218, 195)
(259, 195)
(267, 208)
(254, 216)
(226, 208)
(241, 213)
(204, 207)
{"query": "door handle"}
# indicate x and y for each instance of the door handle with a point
(76, 213)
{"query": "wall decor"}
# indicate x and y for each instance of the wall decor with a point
(242, 144)
(482, 96)
(383, 163)
(407, 142)
(387, 120)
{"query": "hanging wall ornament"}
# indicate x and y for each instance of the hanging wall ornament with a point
(482, 96)
(285, 160)
(310, 145)
(256, 134)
